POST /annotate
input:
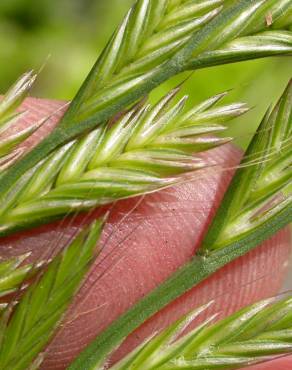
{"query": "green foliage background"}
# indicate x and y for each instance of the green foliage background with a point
(65, 36)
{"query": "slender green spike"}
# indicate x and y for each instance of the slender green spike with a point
(35, 318)
(226, 344)
(205, 38)
(255, 193)
(145, 150)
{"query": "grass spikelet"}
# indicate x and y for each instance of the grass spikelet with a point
(9, 116)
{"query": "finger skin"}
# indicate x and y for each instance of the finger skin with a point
(279, 364)
(145, 241)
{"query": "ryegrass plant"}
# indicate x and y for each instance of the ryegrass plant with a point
(93, 158)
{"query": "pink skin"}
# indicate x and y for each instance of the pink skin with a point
(145, 241)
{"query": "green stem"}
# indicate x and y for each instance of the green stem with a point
(182, 281)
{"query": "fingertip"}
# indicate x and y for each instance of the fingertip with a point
(284, 363)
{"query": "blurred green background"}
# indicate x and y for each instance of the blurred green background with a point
(64, 38)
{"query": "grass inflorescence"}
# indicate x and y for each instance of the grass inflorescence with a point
(146, 149)
(95, 157)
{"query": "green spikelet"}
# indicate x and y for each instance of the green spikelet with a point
(11, 101)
